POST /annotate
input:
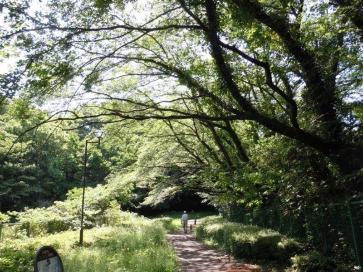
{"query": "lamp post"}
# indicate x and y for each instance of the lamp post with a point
(84, 183)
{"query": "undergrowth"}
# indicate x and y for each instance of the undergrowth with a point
(246, 241)
(133, 243)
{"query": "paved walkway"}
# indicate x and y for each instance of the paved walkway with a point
(195, 257)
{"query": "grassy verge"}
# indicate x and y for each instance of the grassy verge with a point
(134, 244)
(247, 242)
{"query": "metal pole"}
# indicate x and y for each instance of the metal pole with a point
(354, 234)
(83, 193)
(84, 184)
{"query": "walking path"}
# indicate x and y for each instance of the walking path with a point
(195, 257)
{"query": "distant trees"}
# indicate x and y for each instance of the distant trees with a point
(39, 166)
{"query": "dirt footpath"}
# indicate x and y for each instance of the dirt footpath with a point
(195, 257)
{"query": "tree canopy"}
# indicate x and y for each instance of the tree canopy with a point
(243, 100)
(292, 67)
(223, 79)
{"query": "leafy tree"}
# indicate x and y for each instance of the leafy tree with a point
(288, 66)
(38, 166)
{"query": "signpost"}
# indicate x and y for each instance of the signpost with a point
(48, 260)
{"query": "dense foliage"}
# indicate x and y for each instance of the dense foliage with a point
(39, 164)
(291, 67)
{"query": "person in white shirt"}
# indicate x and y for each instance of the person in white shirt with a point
(184, 220)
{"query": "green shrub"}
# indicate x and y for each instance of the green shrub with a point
(40, 221)
(65, 215)
(287, 247)
(247, 241)
(168, 223)
(112, 215)
(4, 218)
(256, 246)
(313, 261)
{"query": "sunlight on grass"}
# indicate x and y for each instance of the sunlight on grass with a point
(143, 249)
(134, 244)
(246, 241)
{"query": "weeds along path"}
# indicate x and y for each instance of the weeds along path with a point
(195, 257)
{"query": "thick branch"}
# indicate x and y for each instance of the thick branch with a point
(218, 55)
(206, 146)
(237, 142)
(292, 107)
(320, 98)
(220, 145)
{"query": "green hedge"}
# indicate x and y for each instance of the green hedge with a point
(247, 241)
(313, 261)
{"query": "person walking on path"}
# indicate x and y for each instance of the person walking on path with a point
(184, 220)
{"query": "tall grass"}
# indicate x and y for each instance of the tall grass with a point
(140, 249)
(133, 244)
